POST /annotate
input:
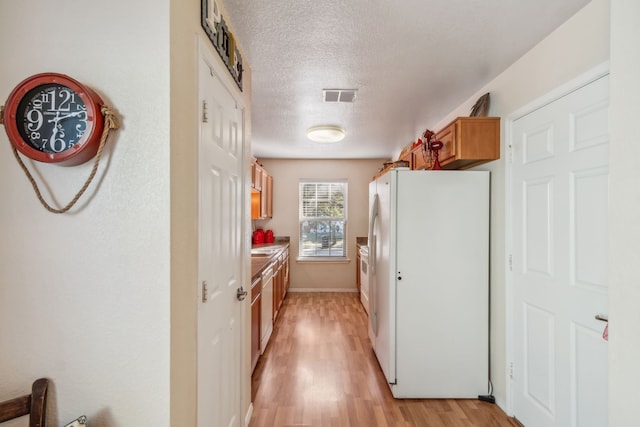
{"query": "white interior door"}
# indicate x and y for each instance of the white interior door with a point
(220, 227)
(559, 213)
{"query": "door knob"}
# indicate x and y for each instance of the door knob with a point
(241, 294)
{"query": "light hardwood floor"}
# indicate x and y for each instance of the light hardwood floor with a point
(319, 370)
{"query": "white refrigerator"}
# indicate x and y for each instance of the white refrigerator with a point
(428, 281)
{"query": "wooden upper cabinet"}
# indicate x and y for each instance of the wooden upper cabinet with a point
(420, 158)
(256, 176)
(266, 197)
(407, 156)
(261, 192)
(269, 196)
(469, 141)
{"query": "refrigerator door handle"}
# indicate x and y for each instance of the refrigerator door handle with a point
(373, 216)
(373, 293)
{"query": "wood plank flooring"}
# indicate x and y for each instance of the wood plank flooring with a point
(320, 370)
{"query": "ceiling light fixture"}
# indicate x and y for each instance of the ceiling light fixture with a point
(325, 134)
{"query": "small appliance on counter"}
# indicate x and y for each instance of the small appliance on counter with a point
(258, 236)
(268, 236)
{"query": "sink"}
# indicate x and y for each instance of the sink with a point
(264, 251)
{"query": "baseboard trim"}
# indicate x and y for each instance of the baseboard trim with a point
(353, 290)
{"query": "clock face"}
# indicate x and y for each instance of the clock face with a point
(51, 118)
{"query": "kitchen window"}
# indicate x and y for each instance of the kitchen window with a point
(323, 220)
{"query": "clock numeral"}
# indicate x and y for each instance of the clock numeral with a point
(69, 98)
(37, 104)
(58, 145)
(45, 96)
(35, 119)
(50, 97)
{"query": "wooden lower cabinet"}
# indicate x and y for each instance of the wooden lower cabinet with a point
(277, 287)
(285, 286)
(280, 286)
(280, 282)
(256, 299)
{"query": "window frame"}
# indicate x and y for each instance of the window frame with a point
(302, 256)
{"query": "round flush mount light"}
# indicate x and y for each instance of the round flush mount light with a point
(325, 134)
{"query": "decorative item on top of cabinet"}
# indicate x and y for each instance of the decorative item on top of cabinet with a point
(406, 156)
(431, 146)
(481, 107)
(388, 165)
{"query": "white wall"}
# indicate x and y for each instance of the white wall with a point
(624, 212)
(286, 177)
(84, 296)
(577, 46)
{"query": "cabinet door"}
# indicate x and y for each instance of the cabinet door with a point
(268, 195)
(255, 204)
(420, 158)
(255, 330)
(257, 176)
(358, 271)
(277, 290)
(253, 174)
(263, 198)
(285, 287)
(448, 138)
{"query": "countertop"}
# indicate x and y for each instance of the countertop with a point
(361, 241)
(259, 263)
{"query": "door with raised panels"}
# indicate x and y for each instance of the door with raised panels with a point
(220, 227)
(559, 212)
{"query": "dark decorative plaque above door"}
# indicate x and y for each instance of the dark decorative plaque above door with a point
(222, 39)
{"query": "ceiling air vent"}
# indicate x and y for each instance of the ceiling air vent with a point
(339, 95)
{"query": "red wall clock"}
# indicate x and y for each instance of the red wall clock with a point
(53, 118)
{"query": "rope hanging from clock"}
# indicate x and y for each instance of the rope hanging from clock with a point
(110, 122)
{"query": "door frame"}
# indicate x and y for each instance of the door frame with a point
(219, 70)
(580, 81)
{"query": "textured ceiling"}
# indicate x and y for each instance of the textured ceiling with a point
(412, 62)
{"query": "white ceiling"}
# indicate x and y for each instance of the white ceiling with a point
(412, 62)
